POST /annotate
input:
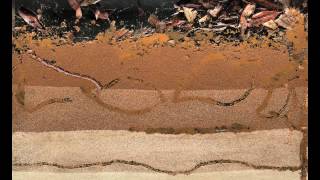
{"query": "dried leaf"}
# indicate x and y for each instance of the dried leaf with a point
(101, 15)
(270, 24)
(89, 2)
(288, 19)
(78, 13)
(175, 23)
(243, 25)
(195, 6)
(74, 4)
(190, 14)
(262, 17)
(204, 19)
(113, 26)
(265, 13)
(120, 33)
(214, 12)
(30, 18)
(248, 10)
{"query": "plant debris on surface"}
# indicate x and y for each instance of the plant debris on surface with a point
(30, 18)
(231, 20)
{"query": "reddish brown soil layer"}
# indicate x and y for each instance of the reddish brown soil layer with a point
(207, 67)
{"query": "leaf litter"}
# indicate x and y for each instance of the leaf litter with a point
(228, 20)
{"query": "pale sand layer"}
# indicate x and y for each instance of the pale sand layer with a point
(229, 175)
(276, 148)
(144, 110)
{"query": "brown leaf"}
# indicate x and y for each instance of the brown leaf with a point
(88, 2)
(176, 23)
(248, 10)
(204, 19)
(74, 4)
(30, 18)
(262, 17)
(78, 13)
(120, 33)
(190, 14)
(214, 12)
(289, 18)
(265, 13)
(243, 25)
(195, 6)
(101, 15)
(270, 24)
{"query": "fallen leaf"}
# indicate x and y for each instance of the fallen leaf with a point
(78, 13)
(74, 4)
(264, 13)
(190, 5)
(243, 25)
(262, 17)
(113, 27)
(214, 12)
(204, 19)
(288, 19)
(101, 15)
(248, 10)
(270, 24)
(30, 18)
(88, 2)
(190, 14)
(120, 33)
(176, 22)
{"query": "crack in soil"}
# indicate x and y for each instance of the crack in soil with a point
(170, 172)
(97, 83)
(209, 100)
(45, 103)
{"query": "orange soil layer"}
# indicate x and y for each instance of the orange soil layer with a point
(206, 67)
